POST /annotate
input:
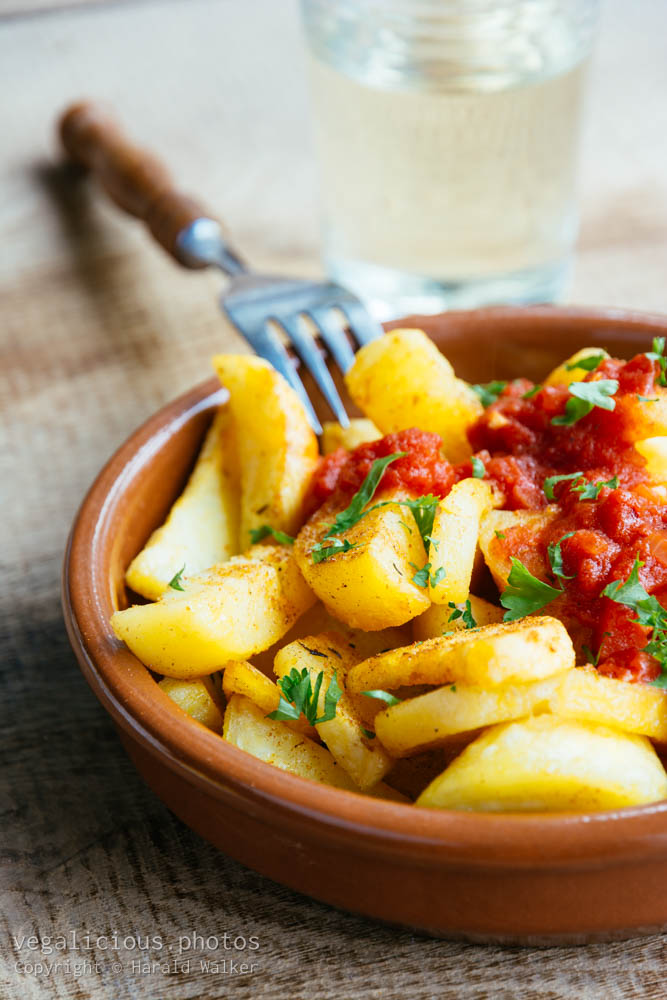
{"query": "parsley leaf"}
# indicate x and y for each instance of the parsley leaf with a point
(368, 734)
(354, 510)
(499, 534)
(585, 396)
(478, 469)
(551, 481)
(586, 490)
(589, 364)
(591, 491)
(299, 696)
(320, 551)
(257, 534)
(464, 613)
(525, 594)
(489, 392)
(423, 576)
(532, 392)
(556, 558)
(650, 613)
(175, 582)
(383, 696)
(658, 354)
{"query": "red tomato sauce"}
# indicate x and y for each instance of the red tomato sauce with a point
(520, 447)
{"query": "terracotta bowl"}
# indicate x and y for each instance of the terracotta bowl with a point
(530, 879)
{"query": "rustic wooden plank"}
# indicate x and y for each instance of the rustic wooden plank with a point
(97, 330)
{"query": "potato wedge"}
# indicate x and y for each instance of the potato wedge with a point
(370, 586)
(635, 708)
(277, 448)
(228, 612)
(202, 528)
(509, 652)
(436, 620)
(317, 619)
(502, 532)
(431, 720)
(547, 764)
(196, 697)
(562, 376)
(247, 727)
(454, 539)
(335, 436)
(241, 677)
(654, 450)
(643, 418)
(402, 380)
(361, 757)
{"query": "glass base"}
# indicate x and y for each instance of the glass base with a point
(388, 293)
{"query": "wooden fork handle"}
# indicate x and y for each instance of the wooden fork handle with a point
(132, 177)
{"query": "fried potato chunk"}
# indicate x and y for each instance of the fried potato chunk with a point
(335, 436)
(636, 708)
(402, 380)
(361, 756)
(437, 619)
(454, 539)
(564, 375)
(226, 613)
(370, 586)
(202, 528)
(247, 727)
(524, 650)
(431, 719)
(196, 697)
(654, 450)
(547, 764)
(277, 448)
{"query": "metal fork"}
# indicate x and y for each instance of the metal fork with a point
(258, 305)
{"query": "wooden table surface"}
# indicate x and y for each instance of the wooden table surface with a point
(99, 329)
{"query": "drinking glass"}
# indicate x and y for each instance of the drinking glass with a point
(447, 133)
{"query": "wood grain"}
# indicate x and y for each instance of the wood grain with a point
(99, 328)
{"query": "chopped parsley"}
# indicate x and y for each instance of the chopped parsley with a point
(591, 657)
(299, 696)
(320, 552)
(650, 613)
(423, 510)
(257, 534)
(658, 354)
(464, 613)
(355, 509)
(580, 485)
(551, 481)
(368, 734)
(175, 582)
(556, 557)
(390, 699)
(499, 534)
(532, 392)
(591, 491)
(588, 364)
(424, 576)
(478, 470)
(525, 594)
(489, 392)
(584, 396)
